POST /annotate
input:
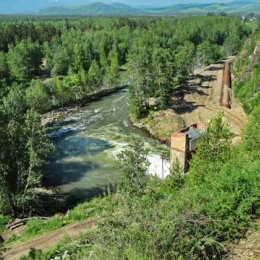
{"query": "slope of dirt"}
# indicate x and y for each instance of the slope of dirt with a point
(49, 240)
(199, 101)
(248, 248)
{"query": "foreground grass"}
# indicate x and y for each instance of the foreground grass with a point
(96, 207)
(3, 221)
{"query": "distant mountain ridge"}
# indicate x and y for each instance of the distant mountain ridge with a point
(94, 9)
(237, 6)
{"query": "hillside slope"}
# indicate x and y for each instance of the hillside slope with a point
(100, 9)
(198, 8)
(246, 72)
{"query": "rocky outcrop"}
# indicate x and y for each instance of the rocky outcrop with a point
(160, 124)
(53, 116)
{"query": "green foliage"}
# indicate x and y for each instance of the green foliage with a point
(213, 151)
(3, 221)
(184, 55)
(24, 59)
(113, 70)
(246, 74)
(251, 137)
(248, 90)
(60, 62)
(176, 178)
(94, 78)
(25, 147)
(208, 53)
(89, 53)
(133, 166)
(36, 97)
(4, 72)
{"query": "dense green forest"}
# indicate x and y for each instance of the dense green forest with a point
(51, 64)
(57, 62)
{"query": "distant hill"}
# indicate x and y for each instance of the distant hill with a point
(238, 6)
(94, 9)
(102, 9)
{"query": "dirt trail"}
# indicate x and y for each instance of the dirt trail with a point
(248, 248)
(49, 240)
(201, 99)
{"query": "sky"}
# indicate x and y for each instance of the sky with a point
(17, 6)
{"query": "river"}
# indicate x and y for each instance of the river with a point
(87, 143)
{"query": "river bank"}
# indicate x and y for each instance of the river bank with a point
(53, 116)
(159, 124)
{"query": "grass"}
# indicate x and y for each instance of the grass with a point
(162, 124)
(96, 207)
(3, 221)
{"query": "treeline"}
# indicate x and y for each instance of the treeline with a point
(79, 56)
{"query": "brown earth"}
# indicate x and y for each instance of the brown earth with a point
(248, 248)
(198, 100)
(50, 240)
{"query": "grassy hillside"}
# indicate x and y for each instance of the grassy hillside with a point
(196, 8)
(246, 72)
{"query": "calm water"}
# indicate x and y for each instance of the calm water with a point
(87, 143)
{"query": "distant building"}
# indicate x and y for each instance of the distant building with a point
(183, 144)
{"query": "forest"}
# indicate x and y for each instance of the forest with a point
(53, 63)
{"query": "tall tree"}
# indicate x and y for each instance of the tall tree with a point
(3, 66)
(113, 70)
(37, 97)
(208, 53)
(24, 59)
(133, 165)
(61, 61)
(94, 76)
(25, 147)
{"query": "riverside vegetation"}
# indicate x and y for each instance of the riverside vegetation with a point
(50, 64)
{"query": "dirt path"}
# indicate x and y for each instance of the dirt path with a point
(248, 248)
(49, 240)
(201, 100)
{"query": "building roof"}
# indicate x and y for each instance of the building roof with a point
(194, 133)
